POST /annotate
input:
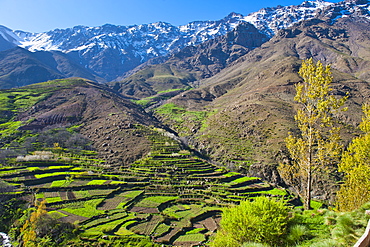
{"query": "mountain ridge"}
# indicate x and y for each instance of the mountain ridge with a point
(110, 51)
(191, 64)
(20, 67)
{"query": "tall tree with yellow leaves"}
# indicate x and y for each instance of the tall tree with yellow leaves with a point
(355, 165)
(30, 226)
(318, 143)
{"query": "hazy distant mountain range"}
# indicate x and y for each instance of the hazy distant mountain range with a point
(108, 52)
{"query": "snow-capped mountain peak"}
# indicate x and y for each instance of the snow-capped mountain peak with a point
(141, 37)
(124, 47)
(270, 20)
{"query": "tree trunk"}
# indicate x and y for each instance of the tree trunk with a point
(307, 201)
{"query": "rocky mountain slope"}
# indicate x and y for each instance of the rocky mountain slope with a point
(105, 118)
(110, 51)
(241, 115)
(191, 64)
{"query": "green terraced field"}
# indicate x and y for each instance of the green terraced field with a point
(171, 196)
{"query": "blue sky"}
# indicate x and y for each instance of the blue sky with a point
(44, 15)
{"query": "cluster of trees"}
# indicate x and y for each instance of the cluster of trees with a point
(355, 165)
(315, 151)
(32, 226)
(38, 228)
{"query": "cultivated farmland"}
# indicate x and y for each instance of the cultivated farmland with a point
(170, 196)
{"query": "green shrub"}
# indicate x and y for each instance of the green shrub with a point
(262, 221)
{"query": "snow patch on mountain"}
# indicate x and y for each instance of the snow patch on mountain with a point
(270, 20)
(41, 42)
(359, 8)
